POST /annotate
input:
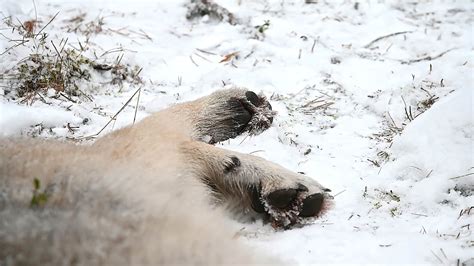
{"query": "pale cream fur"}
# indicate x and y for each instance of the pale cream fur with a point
(135, 196)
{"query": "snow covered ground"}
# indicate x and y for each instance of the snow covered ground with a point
(386, 123)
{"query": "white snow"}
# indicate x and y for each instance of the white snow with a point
(335, 94)
(14, 118)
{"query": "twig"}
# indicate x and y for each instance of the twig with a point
(314, 44)
(436, 256)
(113, 117)
(324, 105)
(419, 214)
(257, 151)
(427, 92)
(14, 46)
(119, 32)
(251, 53)
(393, 122)
(136, 74)
(192, 60)
(456, 177)
(36, 14)
(136, 107)
(316, 100)
(67, 98)
(9, 39)
(339, 193)
(423, 230)
(146, 35)
(427, 58)
(64, 45)
(113, 50)
(294, 95)
(57, 52)
(444, 254)
(202, 57)
(246, 136)
(206, 52)
(22, 25)
(374, 162)
(407, 111)
(429, 173)
(49, 22)
(386, 36)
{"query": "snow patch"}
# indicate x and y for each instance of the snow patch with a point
(14, 118)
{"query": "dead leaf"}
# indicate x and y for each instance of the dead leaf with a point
(29, 26)
(229, 57)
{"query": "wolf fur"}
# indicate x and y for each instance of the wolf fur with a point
(153, 193)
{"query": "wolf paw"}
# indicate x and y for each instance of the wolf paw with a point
(290, 206)
(260, 110)
(232, 112)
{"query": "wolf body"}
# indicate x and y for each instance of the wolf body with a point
(157, 192)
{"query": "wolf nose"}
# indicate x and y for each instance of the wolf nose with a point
(312, 205)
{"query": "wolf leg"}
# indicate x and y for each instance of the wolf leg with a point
(257, 185)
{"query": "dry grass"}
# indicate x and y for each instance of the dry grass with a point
(55, 64)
